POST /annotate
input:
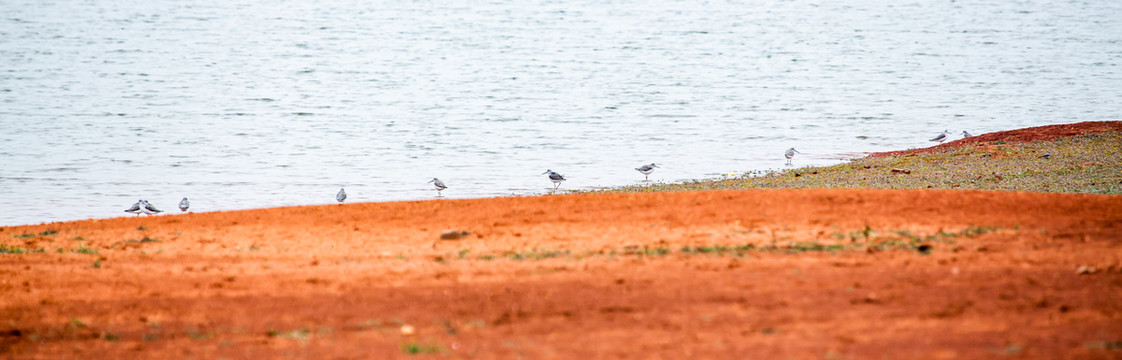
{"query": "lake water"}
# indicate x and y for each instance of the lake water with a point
(247, 104)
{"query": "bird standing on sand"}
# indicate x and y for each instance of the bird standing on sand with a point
(184, 204)
(439, 185)
(135, 208)
(143, 207)
(646, 170)
(942, 137)
(965, 134)
(555, 177)
(342, 195)
(790, 153)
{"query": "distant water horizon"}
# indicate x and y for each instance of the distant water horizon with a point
(248, 104)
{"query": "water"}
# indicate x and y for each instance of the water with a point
(245, 104)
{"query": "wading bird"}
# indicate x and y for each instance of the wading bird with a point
(646, 170)
(555, 177)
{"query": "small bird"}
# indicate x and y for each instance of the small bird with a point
(143, 207)
(135, 208)
(965, 134)
(184, 204)
(942, 137)
(646, 170)
(149, 209)
(439, 185)
(790, 153)
(342, 195)
(1046, 156)
(555, 177)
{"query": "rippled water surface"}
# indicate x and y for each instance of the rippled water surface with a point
(245, 104)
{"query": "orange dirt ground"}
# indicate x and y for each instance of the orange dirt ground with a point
(644, 276)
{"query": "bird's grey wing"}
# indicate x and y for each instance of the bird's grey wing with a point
(134, 208)
(152, 208)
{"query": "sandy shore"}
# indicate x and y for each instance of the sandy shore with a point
(726, 274)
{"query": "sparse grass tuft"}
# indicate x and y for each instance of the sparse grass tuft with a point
(413, 348)
(535, 254)
(75, 323)
(146, 239)
(5, 249)
(873, 240)
(717, 250)
(82, 249)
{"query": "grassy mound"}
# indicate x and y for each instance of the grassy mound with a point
(1089, 163)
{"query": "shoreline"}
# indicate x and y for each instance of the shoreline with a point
(1066, 158)
(1040, 133)
(753, 273)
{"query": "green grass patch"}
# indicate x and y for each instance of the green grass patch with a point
(5, 249)
(413, 348)
(82, 249)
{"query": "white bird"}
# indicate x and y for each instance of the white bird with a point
(965, 134)
(942, 137)
(135, 208)
(555, 177)
(143, 207)
(148, 209)
(184, 204)
(646, 170)
(790, 153)
(439, 185)
(342, 195)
